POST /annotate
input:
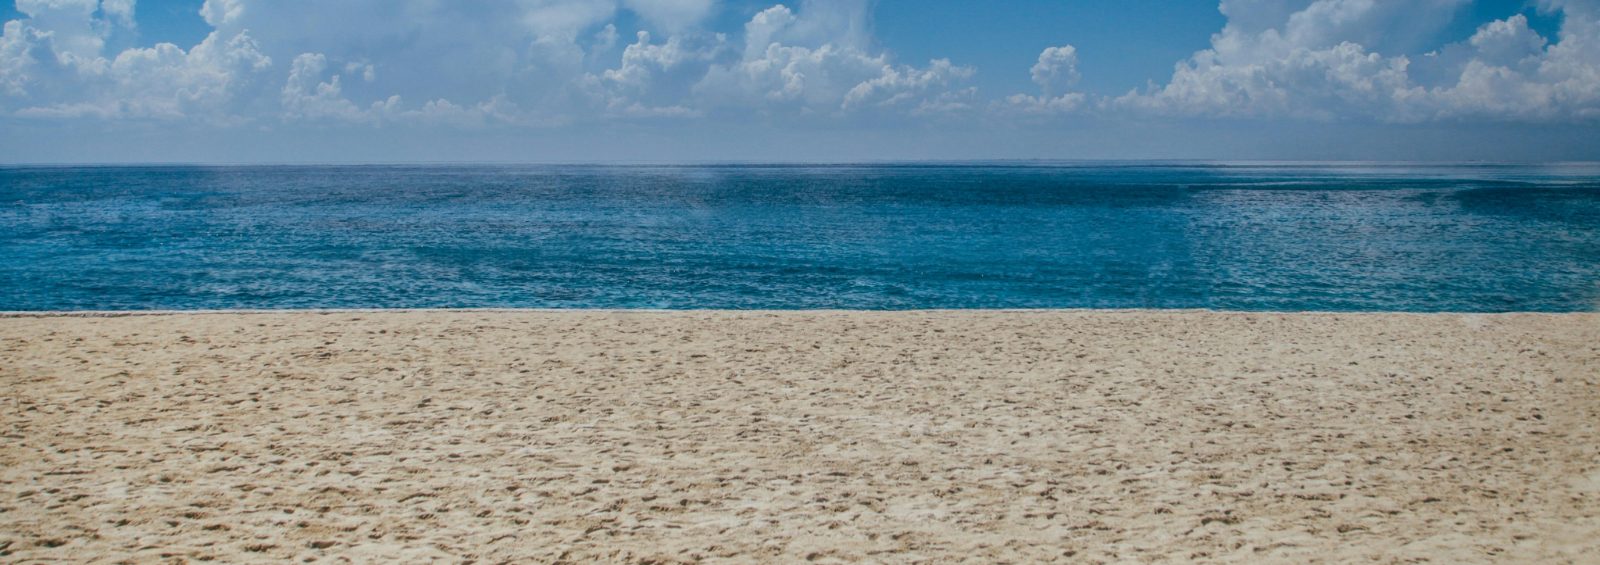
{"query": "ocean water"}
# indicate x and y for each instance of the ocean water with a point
(1468, 238)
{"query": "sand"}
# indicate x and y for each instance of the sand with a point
(807, 436)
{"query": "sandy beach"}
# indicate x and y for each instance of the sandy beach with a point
(805, 436)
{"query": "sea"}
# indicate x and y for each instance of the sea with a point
(1011, 235)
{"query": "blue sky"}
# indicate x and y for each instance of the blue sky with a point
(810, 80)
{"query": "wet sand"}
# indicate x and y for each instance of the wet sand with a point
(782, 437)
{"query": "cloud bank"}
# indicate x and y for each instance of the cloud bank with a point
(518, 62)
(538, 63)
(1327, 59)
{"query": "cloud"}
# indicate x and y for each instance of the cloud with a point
(541, 62)
(1517, 75)
(517, 62)
(1507, 42)
(1345, 59)
(307, 96)
(168, 82)
(68, 27)
(53, 65)
(17, 45)
(1055, 72)
(653, 80)
(1281, 58)
(120, 11)
(1044, 105)
(898, 85)
(1342, 80)
(804, 62)
(814, 62)
(218, 13)
(1057, 69)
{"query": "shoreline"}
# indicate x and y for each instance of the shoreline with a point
(324, 311)
(830, 436)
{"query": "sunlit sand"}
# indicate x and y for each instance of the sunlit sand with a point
(824, 436)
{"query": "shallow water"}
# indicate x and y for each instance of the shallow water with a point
(1478, 238)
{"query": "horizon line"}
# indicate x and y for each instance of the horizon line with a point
(772, 162)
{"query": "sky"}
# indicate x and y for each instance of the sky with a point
(276, 81)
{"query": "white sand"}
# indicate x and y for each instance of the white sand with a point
(927, 436)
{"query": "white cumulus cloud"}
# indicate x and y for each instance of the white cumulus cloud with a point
(219, 13)
(53, 64)
(1056, 69)
(1346, 59)
(1055, 72)
(1514, 74)
(814, 61)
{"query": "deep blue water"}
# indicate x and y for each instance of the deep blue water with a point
(1481, 238)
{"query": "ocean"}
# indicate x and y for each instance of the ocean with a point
(1248, 237)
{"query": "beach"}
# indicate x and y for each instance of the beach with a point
(923, 436)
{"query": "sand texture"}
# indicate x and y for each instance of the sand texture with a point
(808, 436)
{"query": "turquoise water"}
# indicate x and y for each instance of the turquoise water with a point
(1476, 238)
